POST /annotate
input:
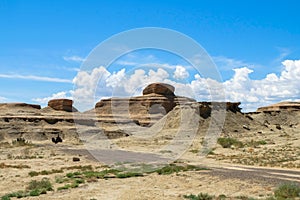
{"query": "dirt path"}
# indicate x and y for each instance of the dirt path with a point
(257, 175)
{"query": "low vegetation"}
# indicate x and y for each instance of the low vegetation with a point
(200, 196)
(74, 179)
(45, 172)
(285, 191)
(34, 188)
(230, 142)
(172, 168)
(87, 174)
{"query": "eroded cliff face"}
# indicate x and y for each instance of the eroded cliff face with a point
(33, 123)
(109, 116)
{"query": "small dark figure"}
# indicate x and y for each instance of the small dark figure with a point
(57, 139)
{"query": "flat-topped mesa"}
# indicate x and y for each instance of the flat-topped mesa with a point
(62, 105)
(289, 106)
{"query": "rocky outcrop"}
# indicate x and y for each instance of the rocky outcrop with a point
(280, 106)
(159, 88)
(33, 123)
(158, 99)
(205, 108)
(62, 105)
(19, 105)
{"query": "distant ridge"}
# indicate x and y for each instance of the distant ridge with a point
(286, 105)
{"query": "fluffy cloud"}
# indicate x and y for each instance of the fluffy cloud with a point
(180, 73)
(86, 85)
(90, 87)
(3, 99)
(272, 88)
(58, 95)
(100, 83)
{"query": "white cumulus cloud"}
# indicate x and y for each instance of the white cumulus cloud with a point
(180, 73)
(59, 95)
(90, 87)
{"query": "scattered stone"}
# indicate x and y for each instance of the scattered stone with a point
(246, 127)
(76, 159)
(278, 126)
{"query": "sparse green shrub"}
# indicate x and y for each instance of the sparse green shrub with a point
(70, 175)
(79, 181)
(80, 167)
(44, 184)
(60, 179)
(65, 187)
(35, 188)
(201, 196)
(5, 197)
(172, 168)
(19, 194)
(33, 173)
(221, 197)
(287, 190)
(228, 142)
(45, 172)
(34, 192)
(253, 143)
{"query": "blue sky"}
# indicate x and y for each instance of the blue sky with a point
(43, 44)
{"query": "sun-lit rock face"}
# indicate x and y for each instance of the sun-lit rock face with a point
(61, 105)
(158, 99)
(280, 106)
(33, 123)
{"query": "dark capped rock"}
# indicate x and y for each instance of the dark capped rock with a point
(159, 88)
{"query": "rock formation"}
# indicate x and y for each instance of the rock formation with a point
(30, 121)
(19, 105)
(61, 105)
(159, 88)
(33, 123)
(280, 106)
(157, 100)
